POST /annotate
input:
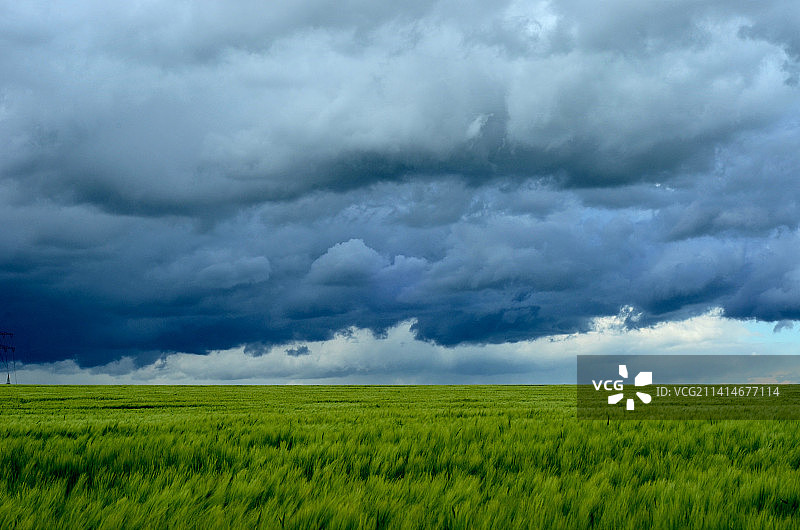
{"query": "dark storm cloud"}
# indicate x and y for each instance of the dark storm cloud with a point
(196, 177)
(187, 109)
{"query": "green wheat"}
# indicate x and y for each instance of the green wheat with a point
(379, 457)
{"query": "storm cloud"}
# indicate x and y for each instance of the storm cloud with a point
(199, 177)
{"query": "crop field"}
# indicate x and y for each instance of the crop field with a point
(379, 457)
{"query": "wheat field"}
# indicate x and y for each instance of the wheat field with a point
(379, 457)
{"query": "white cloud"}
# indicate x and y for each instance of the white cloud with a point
(360, 357)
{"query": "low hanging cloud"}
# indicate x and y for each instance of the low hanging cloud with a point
(298, 351)
(196, 178)
(356, 356)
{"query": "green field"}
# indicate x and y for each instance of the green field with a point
(378, 456)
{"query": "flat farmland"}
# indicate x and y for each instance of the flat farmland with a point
(378, 457)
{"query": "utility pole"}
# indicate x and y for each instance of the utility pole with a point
(7, 353)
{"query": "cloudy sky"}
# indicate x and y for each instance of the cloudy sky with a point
(394, 192)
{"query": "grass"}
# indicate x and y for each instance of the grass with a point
(379, 457)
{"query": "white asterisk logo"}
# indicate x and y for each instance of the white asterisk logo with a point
(641, 379)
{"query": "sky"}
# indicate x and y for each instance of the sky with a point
(394, 192)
